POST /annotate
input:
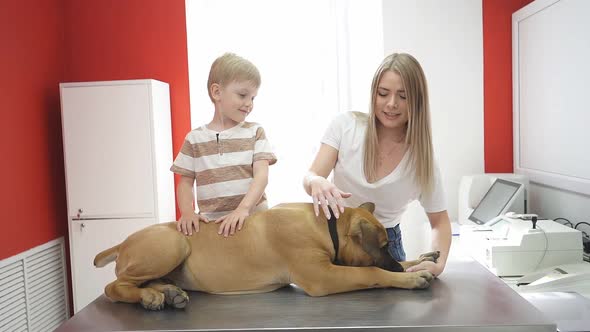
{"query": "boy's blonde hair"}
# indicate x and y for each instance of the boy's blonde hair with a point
(229, 68)
(418, 132)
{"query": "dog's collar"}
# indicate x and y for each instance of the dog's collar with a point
(334, 235)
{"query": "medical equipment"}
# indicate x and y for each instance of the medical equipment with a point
(560, 278)
(499, 198)
(512, 247)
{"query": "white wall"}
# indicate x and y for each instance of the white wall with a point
(551, 129)
(554, 203)
(447, 39)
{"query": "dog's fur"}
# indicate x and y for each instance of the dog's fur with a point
(283, 245)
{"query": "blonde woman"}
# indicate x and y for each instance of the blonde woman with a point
(385, 157)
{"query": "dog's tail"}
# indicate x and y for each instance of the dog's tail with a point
(106, 256)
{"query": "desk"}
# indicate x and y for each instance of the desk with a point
(466, 298)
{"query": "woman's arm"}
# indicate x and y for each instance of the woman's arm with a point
(323, 192)
(441, 241)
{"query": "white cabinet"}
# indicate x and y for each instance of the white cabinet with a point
(117, 152)
(87, 238)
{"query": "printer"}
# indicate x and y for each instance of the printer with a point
(512, 247)
(494, 230)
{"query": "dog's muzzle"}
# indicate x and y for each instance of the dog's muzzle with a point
(387, 262)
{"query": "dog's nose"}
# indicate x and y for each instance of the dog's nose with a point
(393, 266)
(387, 262)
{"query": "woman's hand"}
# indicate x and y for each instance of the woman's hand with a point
(441, 242)
(188, 221)
(232, 222)
(435, 268)
(324, 193)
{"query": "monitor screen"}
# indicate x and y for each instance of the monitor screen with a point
(495, 201)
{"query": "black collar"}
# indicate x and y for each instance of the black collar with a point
(334, 235)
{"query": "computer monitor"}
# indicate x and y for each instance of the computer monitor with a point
(496, 201)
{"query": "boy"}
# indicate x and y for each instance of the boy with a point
(228, 158)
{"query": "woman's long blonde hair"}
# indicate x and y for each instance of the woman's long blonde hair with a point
(418, 133)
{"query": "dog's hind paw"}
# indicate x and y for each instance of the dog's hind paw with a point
(176, 297)
(152, 300)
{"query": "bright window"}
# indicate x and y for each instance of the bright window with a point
(316, 59)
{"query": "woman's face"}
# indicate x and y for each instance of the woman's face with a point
(391, 107)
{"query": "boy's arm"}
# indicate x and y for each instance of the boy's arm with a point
(234, 220)
(188, 218)
(184, 193)
(260, 170)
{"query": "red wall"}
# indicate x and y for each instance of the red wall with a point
(54, 41)
(497, 74)
(32, 190)
(131, 39)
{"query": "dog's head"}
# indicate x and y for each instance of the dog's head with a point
(366, 241)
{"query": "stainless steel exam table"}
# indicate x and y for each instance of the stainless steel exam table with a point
(467, 297)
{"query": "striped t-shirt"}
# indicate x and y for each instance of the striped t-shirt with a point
(222, 165)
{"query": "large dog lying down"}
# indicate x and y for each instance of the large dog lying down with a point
(283, 245)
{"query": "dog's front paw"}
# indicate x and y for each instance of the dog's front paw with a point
(421, 279)
(151, 299)
(176, 297)
(429, 256)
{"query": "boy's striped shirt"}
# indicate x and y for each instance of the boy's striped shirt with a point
(221, 163)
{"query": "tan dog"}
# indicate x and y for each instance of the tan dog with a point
(283, 245)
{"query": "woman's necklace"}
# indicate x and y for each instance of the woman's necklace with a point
(390, 154)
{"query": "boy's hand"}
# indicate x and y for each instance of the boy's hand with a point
(188, 221)
(231, 221)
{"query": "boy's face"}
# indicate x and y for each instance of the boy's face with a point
(235, 100)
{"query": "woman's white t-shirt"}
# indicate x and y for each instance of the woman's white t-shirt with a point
(391, 194)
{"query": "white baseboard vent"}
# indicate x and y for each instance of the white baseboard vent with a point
(33, 289)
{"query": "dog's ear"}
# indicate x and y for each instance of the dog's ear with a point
(373, 240)
(368, 206)
(370, 237)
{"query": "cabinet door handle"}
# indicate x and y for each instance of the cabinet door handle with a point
(80, 223)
